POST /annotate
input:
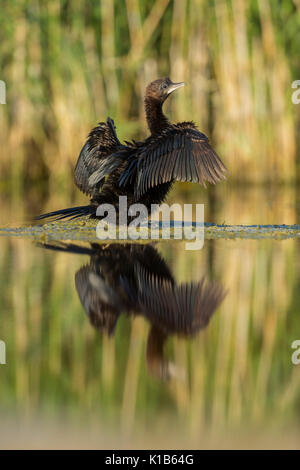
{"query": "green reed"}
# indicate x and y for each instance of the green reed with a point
(69, 64)
(235, 374)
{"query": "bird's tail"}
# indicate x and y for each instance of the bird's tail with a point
(70, 213)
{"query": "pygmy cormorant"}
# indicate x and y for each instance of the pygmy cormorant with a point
(143, 171)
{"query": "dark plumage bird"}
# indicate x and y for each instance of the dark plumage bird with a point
(134, 279)
(143, 171)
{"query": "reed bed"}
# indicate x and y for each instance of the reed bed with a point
(67, 65)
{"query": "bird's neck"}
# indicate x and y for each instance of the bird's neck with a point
(156, 362)
(156, 119)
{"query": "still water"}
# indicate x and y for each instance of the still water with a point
(151, 345)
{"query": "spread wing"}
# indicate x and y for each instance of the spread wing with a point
(99, 156)
(179, 153)
(182, 309)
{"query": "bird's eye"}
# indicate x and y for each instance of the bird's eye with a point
(164, 86)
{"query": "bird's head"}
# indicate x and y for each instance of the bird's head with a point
(160, 89)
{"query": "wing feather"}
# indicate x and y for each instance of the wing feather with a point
(100, 155)
(179, 153)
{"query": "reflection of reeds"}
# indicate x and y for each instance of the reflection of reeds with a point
(67, 66)
(237, 371)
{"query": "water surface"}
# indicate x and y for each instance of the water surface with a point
(150, 344)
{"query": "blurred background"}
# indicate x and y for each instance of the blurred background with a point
(68, 65)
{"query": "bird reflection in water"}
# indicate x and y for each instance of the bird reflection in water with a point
(134, 279)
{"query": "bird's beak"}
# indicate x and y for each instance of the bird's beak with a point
(174, 86)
